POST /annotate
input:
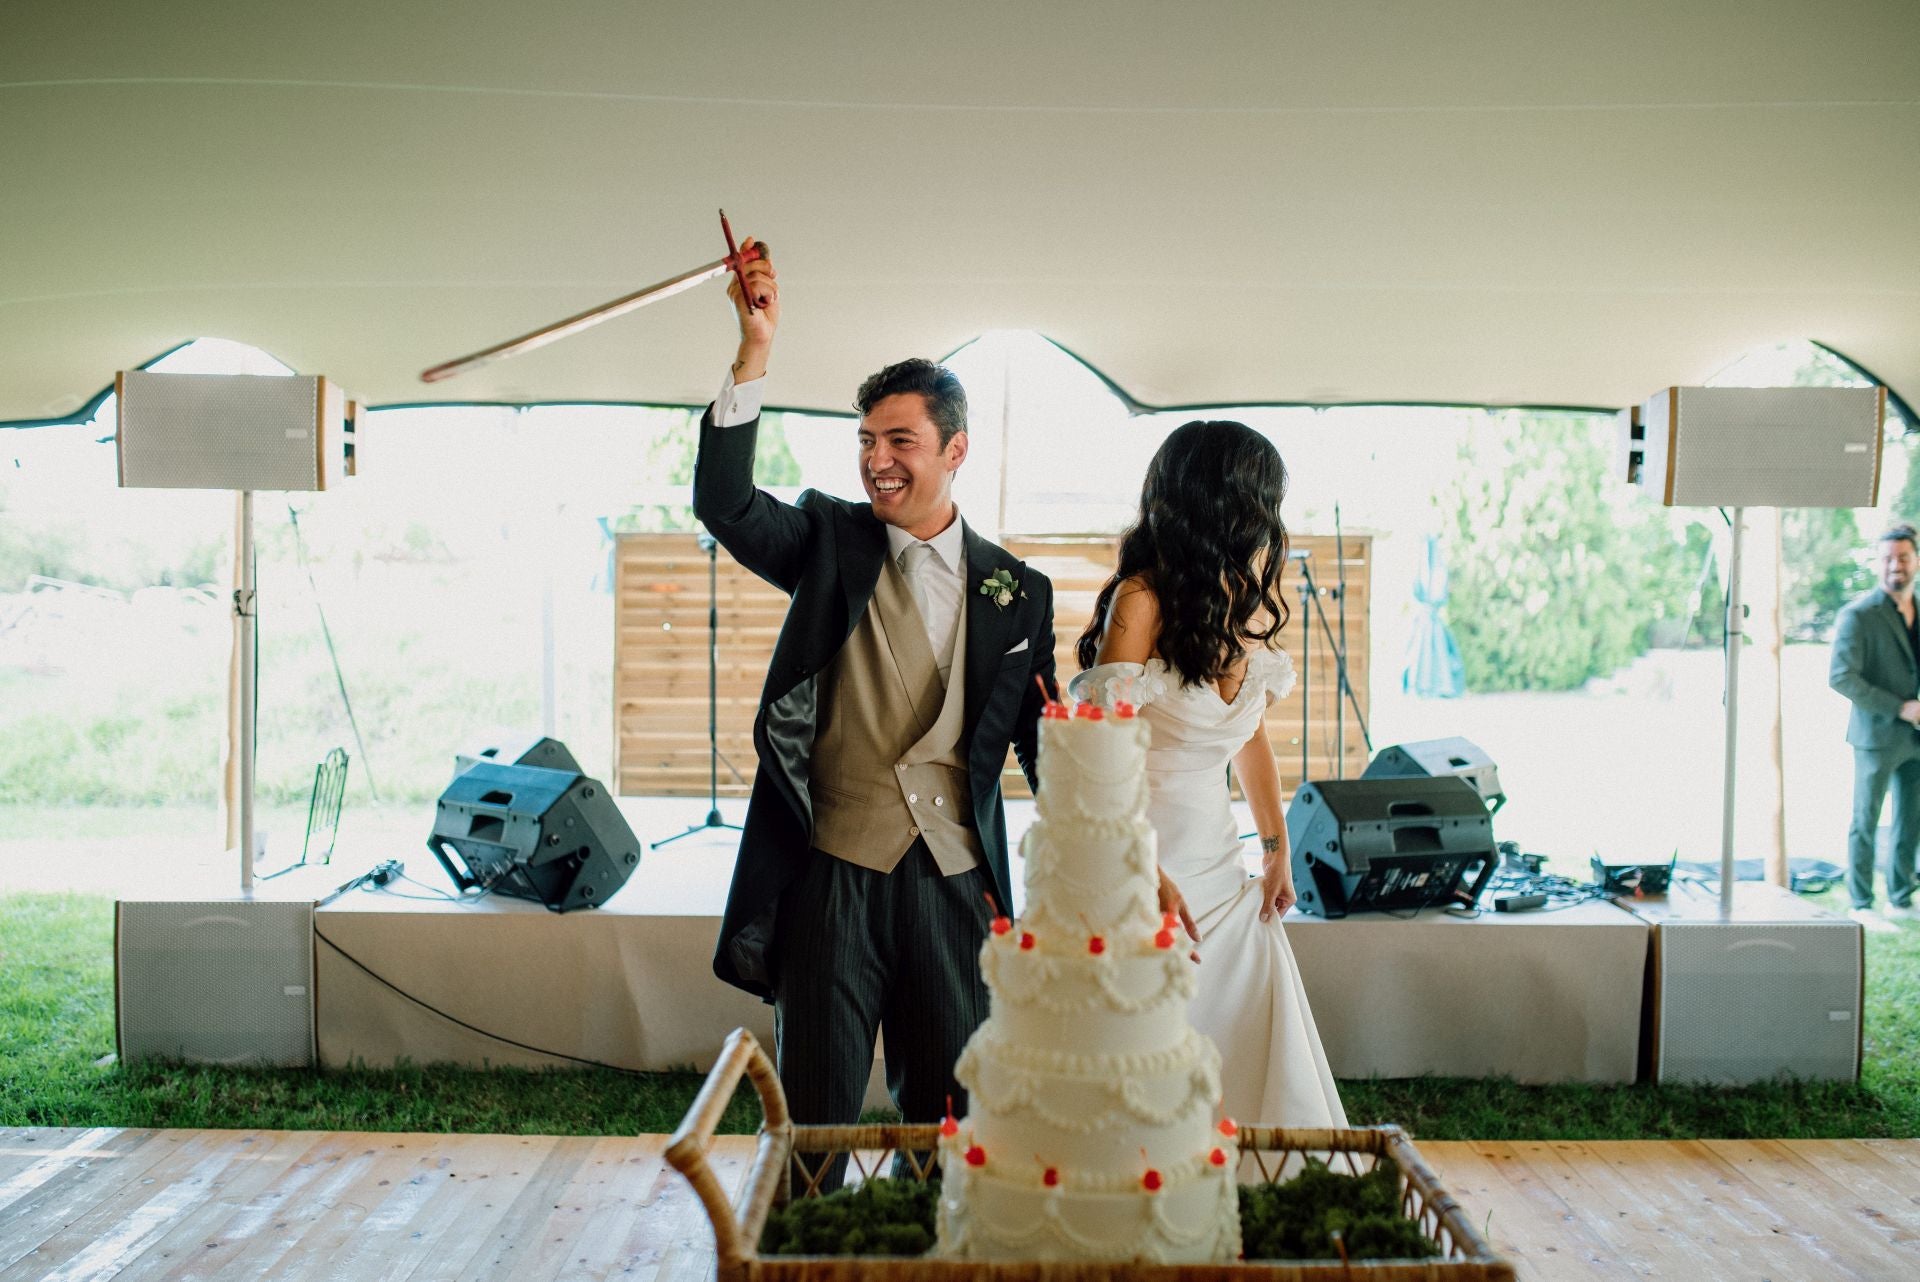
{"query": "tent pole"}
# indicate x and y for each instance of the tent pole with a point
(1735, 639)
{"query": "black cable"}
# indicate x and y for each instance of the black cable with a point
(370, 973)
(339, 678)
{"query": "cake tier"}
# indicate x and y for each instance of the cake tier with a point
(1091, 1113)
(1006, 1211)
(1126, 1001)
(1093, 769)
(1094, 871)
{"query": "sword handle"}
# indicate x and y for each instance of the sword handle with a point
(737, 262)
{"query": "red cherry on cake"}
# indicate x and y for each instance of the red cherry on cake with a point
(1151, 1181)
(1227, 1128)
(1026, 941)
(976, 1156)
(1170, 920)
(1163, 939)
(1089, 712)
(1001, 925)
(1096, 945)
(1050, 1177)
(948, 1125)
(1122, 709)
(1218, 1157)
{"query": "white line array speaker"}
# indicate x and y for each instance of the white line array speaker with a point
(233, 431)
(1757, 446)
(215, 981)
(1737, 1002)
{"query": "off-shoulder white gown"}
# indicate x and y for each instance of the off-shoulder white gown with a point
(1250, 1001)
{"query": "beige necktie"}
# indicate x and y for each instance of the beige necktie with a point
(913, 564)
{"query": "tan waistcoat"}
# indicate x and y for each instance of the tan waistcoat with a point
(887, 765)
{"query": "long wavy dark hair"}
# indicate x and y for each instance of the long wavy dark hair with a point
(1209, 508)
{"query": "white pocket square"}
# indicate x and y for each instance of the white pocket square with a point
(1017, 649)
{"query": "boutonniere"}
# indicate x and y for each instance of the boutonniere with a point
(1000, 585)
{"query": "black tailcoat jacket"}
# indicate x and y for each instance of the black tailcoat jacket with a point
(827, 554)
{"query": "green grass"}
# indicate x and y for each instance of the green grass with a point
(56, 1022)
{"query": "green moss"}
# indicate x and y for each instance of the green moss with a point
(1300, 1219)
(879, 1217)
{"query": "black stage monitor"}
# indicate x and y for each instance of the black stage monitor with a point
(1432, 758)
(1400, 844)
(519, 750)
(552, 836)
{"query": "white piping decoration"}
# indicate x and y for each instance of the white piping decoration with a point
(1177, 981)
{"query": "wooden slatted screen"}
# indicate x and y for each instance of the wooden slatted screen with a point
(660, 656)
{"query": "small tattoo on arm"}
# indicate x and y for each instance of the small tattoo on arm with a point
(1269, 844)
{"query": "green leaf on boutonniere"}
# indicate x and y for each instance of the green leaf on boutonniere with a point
(1000, 586)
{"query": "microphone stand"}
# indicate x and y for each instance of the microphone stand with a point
(1343, 692)
(711, 547)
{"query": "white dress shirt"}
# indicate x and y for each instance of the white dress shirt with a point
(937, 589)
(738, 402)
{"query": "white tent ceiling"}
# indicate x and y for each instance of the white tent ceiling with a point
(1384, 200)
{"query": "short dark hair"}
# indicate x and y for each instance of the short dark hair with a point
(936, 384)
(1894, 533)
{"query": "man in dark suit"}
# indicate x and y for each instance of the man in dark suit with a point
(1875, 666)
(905, 668)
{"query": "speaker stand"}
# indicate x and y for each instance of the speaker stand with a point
(711, 547)
(245, 644)
(1735, 639)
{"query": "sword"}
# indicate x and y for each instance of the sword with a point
(734, 262)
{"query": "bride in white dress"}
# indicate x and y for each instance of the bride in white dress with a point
(1182, 632)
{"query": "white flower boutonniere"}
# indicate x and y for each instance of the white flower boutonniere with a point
(1000, 585)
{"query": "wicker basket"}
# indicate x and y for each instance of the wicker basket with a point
(737, 1225)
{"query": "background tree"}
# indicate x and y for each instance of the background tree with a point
(1559, 572)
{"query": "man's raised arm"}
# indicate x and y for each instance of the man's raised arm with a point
(762, 533)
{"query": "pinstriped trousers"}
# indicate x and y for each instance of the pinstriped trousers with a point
(858, 951)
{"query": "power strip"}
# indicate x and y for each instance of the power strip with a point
(1519, 903)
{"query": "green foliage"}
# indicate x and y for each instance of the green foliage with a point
(878, 1217)
(669, 463)
(1906, 504)
(1557, 574)
(1299, 1220)
(1824, 561)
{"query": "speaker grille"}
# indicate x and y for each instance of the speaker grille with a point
(217, 982)
(219, 431)
(1748, 1003)
(1776, 446)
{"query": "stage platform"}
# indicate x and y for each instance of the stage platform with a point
(137, 1205)
(410, 972)
(1542, 997)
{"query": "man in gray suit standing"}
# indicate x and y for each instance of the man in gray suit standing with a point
(1876, 665)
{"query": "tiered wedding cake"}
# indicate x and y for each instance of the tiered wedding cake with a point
(1093, 1130)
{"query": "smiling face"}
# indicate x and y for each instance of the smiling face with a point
(1896, 565)
(905, 470)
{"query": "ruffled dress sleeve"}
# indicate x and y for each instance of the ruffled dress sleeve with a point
(1274, 670)
(1106, 684)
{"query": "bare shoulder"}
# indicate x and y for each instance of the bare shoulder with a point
(1132, 623)
(1135, 606)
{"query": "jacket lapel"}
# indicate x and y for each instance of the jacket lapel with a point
(990, 627)
(864, 554)
(1899, 626)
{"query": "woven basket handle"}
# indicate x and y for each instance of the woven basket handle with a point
(736, 1227)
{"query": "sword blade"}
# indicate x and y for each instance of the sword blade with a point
(574, 324)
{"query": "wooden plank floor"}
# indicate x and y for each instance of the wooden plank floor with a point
(180, 1205)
